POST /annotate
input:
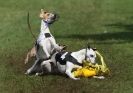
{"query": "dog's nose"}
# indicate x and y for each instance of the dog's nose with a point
(56, 17)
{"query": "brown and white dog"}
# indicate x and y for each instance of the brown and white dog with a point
(45, 43)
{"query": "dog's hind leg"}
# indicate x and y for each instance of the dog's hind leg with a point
(27, 58)
(45, 64)
(30, 54)
(69, 67)
(34, 67)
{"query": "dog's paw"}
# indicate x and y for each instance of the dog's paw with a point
(39, 74)
(64, 47)
(76, 78)
(99, 77)
(26, 73)
(25, 62)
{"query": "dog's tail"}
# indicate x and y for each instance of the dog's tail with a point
(29, 26)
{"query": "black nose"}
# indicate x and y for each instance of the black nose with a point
(56, 17)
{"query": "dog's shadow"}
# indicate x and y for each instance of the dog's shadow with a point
(124, 34)
(54, 70)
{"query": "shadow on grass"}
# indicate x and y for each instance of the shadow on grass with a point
(120, 37)
(126, 27)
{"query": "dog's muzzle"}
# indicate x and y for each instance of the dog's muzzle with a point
(52, 19)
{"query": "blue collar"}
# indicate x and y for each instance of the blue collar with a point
(47, 24)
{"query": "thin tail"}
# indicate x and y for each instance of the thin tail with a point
(29, 26)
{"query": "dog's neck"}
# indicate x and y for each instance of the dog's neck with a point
(79, 55)
(44, 26)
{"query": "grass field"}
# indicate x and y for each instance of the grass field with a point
(105, 24)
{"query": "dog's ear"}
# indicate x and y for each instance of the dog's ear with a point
(88, 46)
(59, 44)
(94, 49)
(64, 47)
(41, 15)
(43, 11)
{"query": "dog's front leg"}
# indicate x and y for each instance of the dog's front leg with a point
(44, 47)
(55, 45)
(69, 67)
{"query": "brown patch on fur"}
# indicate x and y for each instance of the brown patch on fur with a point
(44, 14)
(30, 54)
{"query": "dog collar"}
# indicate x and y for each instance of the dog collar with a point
(47, 24)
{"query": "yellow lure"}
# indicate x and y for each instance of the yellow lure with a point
(89, 69)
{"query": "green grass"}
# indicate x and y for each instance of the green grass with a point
(105, 24)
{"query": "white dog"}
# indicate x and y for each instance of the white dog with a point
(46, 42)
(67, 61)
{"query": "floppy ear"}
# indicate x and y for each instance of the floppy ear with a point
(58, 44)
(94, 49)
(64, 47)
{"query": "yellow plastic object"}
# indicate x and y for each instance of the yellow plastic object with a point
(89, 69)
(84, 72)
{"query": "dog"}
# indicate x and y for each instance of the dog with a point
(67, 61)
(45, 43)
(45, 39)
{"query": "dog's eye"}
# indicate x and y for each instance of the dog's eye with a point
(48, 14)
(45, 12)
(91, 55)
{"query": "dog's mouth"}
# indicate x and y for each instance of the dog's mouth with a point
(52, 18)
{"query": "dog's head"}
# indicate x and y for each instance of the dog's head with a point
(90, 54)
(48, 17)
(62, 47)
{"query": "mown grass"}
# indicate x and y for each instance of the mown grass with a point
(105, 24)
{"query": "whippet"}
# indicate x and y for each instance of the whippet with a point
(46, 42)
